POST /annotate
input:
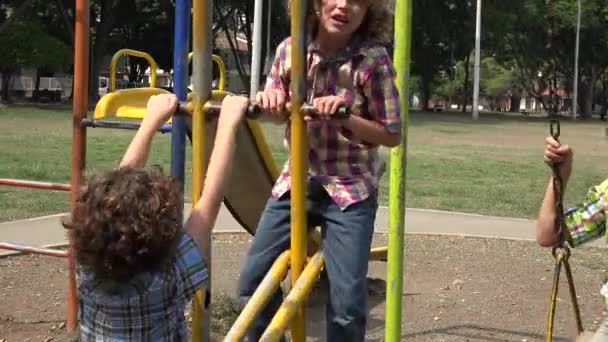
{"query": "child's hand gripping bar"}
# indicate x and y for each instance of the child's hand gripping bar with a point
(212, 110)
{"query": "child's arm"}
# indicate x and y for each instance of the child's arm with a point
(546, 234)
(273, 98)
(372, 131)
(384, 125)
(203, 216)
(158, 111)
(584, 222)
(368, 130)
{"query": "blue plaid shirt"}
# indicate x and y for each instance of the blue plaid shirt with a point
(150, 307)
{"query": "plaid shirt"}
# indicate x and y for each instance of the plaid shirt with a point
(587, 222)
(150, 307)
(364, 76)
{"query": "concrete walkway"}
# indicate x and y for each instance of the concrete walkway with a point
(47, 230)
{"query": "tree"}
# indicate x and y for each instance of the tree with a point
(455, 85)
(497, 84)
(593, 57)
(429, 51)
(145, 25)
(15, 12)
(442, 35)
(234, 17)
(538, 38)
(28, 45)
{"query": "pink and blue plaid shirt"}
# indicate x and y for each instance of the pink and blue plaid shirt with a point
(364, 76)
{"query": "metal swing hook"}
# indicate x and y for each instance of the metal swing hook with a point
(561, 255)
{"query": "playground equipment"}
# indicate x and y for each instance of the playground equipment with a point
(254, 167)
(561, 252)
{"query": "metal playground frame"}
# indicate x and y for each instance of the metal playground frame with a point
(304, 271)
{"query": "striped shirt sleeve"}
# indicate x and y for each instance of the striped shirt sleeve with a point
(587, 221)
(190, 268)
(381, 92)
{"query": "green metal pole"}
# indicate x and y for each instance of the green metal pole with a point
(403, 21)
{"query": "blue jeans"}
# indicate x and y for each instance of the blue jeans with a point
(347, 237)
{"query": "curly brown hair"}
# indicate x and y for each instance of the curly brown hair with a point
(377, 26)
(125, 221)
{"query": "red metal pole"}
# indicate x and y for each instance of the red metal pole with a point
(34, 184)
(79, 111)
(34, 250)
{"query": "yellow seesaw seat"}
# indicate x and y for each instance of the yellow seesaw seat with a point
(126, 103)
(131, 103)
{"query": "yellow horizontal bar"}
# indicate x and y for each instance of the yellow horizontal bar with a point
(260, 298)
(378, 253)
(294, 300)
(375, 254)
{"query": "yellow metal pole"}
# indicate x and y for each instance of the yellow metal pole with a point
(295, 300)
(217, 60)
(201, 79)
(260, 298)
(299, 157)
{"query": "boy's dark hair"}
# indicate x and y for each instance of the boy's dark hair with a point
(125, 221)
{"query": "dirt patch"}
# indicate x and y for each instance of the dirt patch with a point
(456, 289)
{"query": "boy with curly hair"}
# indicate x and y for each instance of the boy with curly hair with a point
(347, 63)
(137, 266)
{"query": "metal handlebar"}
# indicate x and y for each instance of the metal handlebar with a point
(213, 108)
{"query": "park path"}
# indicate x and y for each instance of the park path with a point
(47, 230)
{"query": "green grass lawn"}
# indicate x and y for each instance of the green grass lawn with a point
(492, 166)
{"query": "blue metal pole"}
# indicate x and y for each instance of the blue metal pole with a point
(180, 87)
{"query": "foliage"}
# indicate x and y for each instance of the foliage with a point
(26, 44)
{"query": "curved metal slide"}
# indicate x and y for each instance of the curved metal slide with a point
(253, 174)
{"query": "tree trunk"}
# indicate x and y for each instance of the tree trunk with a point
(234, 50)
(587, 93)
(465, 86)
(247, 26)
(515, 102)
(99, 49)
(604, 99)
(72, 91)
(266, 38)
(426, 92)
(36, 93)
(6, 83)
(604, 111)
(67, 21)
(588, 103)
